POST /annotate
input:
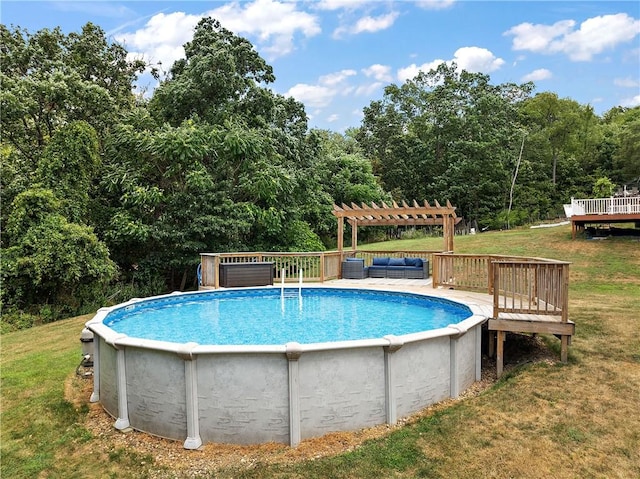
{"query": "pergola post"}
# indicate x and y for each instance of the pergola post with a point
(340, 233)
(354, 234)
(450, 232)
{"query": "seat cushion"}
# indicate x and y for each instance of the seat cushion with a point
(380, 261)
(416, 262)
(396, 262)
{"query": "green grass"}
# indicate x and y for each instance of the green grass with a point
(580, 419)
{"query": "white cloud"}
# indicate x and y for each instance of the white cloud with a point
(340, 4)
(161, 39)
(472, 59)
(374, 24)
(273, 22)
(594, 36)
(367, 24)
(537, 38)
(333, 118)
(379, 72)
(631, 102)
(627, 82)
(316, 96)
(476, 59)
(434, 4)
(409, 72)
(537, 75)
(336, 78)
(368, 89)
(327, 88)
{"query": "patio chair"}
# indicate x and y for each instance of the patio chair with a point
(353, 268)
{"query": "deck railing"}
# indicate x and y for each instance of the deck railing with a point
(519, 285)
(316, 266)
(605, 206)
(532, 287)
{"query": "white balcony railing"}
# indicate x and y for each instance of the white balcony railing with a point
(605, 206)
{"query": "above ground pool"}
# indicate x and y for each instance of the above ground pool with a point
(256, 365)
(271, 316)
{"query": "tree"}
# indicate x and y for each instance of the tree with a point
(49, 256)
(564, 132)
(220, 74)
(175, 192)
(603, 188)
(69, 165)
(49, 79)
(447, 135)
(626, 158)
(51, 261)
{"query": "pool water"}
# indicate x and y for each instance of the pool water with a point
(263, 317)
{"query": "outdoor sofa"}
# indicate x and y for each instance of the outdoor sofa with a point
(398, 268)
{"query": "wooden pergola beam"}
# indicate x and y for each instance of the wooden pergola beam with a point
(398, 215)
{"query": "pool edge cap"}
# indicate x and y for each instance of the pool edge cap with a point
(293, 351)
(186, 351)
(395, 343)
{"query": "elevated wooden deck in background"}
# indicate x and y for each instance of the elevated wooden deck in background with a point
(598, 211)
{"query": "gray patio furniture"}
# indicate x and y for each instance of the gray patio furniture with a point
(354, 268)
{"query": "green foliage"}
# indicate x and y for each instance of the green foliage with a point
(446, 135)
(219, 75)
(603, 188)
(49, 79)
(175, 192)
(57, 263)
(300, 237)
(29, 209)
(68, 166)
(626, 158)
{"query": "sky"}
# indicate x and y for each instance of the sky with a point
(336, 56)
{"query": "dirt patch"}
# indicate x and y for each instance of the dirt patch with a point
(174, 461)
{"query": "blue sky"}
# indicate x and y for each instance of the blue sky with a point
(336, 56)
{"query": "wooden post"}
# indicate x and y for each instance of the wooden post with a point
(448, 226)
(500, 353)
(492, 344)
(445, 232)
(565, 293)
(435, 270)
(452, 231)
(340, 233)
(564, 348)
(216, 271)
(354, 234)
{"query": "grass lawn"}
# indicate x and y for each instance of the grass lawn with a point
(541, 420)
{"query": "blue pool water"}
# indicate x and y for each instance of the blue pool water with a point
(262, 317)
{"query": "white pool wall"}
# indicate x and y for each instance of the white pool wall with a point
(285, 393)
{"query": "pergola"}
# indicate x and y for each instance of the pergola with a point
(395, 215)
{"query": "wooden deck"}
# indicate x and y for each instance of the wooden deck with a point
(599, 211)
(515, 294)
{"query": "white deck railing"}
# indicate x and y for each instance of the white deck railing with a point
(605, 206)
